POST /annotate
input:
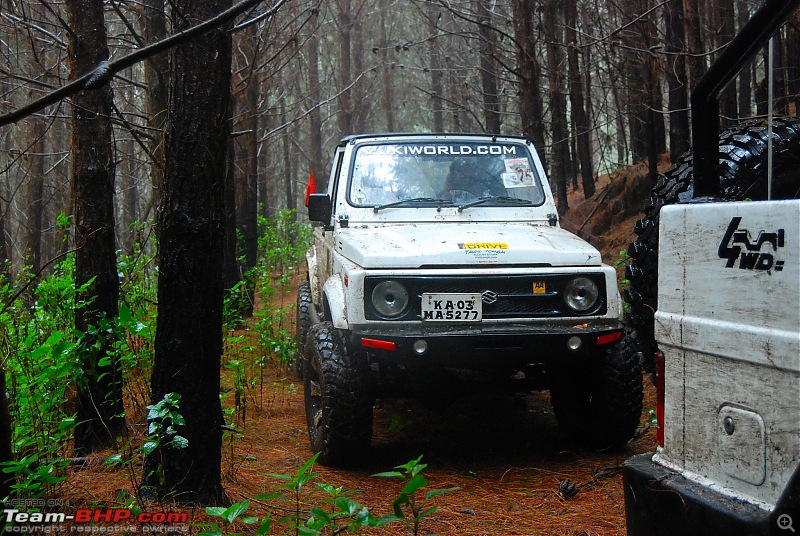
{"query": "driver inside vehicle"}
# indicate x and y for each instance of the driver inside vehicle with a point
(471, 178)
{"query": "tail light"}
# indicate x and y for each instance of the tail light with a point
(660, 397)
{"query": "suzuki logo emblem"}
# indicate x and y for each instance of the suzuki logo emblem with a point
(489, 297)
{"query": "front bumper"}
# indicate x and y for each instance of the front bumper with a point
(469, 346)
(662, 502)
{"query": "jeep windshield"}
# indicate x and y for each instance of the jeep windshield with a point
(443, 173)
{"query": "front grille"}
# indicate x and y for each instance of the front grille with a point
(515, 296)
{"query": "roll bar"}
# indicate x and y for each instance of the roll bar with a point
(708, 91)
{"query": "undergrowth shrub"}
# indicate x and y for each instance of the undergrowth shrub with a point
(282, 245)
(42, 351)
(283, 242)
(42, 362)
(282, 248)
(314, 508)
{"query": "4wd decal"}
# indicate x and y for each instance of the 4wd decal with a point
(736, 245)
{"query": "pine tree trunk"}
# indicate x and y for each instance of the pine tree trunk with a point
(488, 46)
(746, 78)
(558, 104)
(246, 169)
(583, 130)
(190, 290)
(346, 112)
(435, 58)
(677, 82)
(728, 104)
(34, 191)
(314, 116)
(529, 76)
(156, 73)
(695, 43)
(100, 411)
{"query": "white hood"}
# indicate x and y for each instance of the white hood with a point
(435, 244)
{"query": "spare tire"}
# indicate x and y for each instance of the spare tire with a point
(743, 175)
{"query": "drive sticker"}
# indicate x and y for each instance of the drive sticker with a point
(539, 287)
(483, 245)
(484, 252)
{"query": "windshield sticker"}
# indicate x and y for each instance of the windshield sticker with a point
(444, 150)
(518, 173)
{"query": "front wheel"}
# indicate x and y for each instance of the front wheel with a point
(599, 407)
(302, 324)
(337, 397)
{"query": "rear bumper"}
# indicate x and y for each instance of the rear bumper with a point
(660, 501)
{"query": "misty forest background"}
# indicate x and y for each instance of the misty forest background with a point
(173, 164)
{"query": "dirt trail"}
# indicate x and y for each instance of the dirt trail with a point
(506, 455)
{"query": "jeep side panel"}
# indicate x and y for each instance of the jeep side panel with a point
(729, 327)
(320, 258)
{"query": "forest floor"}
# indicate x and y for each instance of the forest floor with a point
(505, 455)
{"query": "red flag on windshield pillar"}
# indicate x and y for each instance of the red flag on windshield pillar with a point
(312, 186)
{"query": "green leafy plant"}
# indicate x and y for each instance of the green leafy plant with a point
(230, 515)
(652, 417)
(283, 241)
(42, 356)
(164, 417)
(164, 421)
(294, 483)
(621, 264)
(334, 513)
(134, 343)
(274, 335)
(409, 505)
(235, 302)
(40, 362)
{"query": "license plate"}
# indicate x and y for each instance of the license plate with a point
(452, 307)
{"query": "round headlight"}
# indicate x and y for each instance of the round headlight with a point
(581, 294)
(390, 298)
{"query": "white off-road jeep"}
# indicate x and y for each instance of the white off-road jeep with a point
(439, 269)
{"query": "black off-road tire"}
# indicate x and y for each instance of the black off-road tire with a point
(743, 165)
(600, 406)
(337, 396)
(303, 325)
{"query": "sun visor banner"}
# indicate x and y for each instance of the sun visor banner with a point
(443, 150)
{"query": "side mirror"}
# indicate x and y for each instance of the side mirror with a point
(319, 208)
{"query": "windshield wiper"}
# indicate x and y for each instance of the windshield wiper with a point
(500, 198)
(438, 202)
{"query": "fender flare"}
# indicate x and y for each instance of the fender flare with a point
(335, 302)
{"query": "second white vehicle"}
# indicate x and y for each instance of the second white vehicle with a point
(439, 269)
